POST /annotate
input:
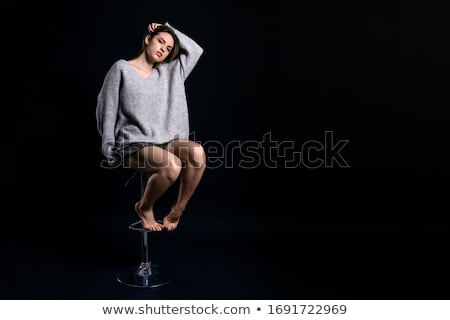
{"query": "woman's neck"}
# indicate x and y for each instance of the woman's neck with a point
(142, 65)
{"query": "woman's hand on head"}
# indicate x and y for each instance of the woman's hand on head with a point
(152, 26)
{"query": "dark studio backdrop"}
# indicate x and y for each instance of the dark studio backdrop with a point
(362, 87)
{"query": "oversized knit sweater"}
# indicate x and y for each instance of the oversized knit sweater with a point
(132, 108)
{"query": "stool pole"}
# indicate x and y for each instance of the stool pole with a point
(145, 253)
(146, 274)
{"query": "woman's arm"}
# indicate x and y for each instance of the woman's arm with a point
(190, 51)
(106, 112)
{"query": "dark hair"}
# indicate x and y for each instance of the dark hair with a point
(173, 54)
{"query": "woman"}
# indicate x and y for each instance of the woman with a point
(142, 117)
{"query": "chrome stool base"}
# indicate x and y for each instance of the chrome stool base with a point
(146, 274)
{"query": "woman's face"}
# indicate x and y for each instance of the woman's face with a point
(159, 46)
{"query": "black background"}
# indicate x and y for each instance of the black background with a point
(374, 74)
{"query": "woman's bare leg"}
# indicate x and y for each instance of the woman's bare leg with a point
(194, 159)
(163, 168)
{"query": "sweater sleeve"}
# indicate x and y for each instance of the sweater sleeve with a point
(190, 52)
(106, 112)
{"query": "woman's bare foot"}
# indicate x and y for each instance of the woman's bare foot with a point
(147, 218)
(171, 220)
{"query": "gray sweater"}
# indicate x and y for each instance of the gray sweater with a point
(134, 109)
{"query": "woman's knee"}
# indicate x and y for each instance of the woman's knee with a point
(172, 169)
(197, 156)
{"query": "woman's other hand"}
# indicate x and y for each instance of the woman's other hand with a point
(152, 26)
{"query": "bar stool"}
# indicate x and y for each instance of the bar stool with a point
(146, 274)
